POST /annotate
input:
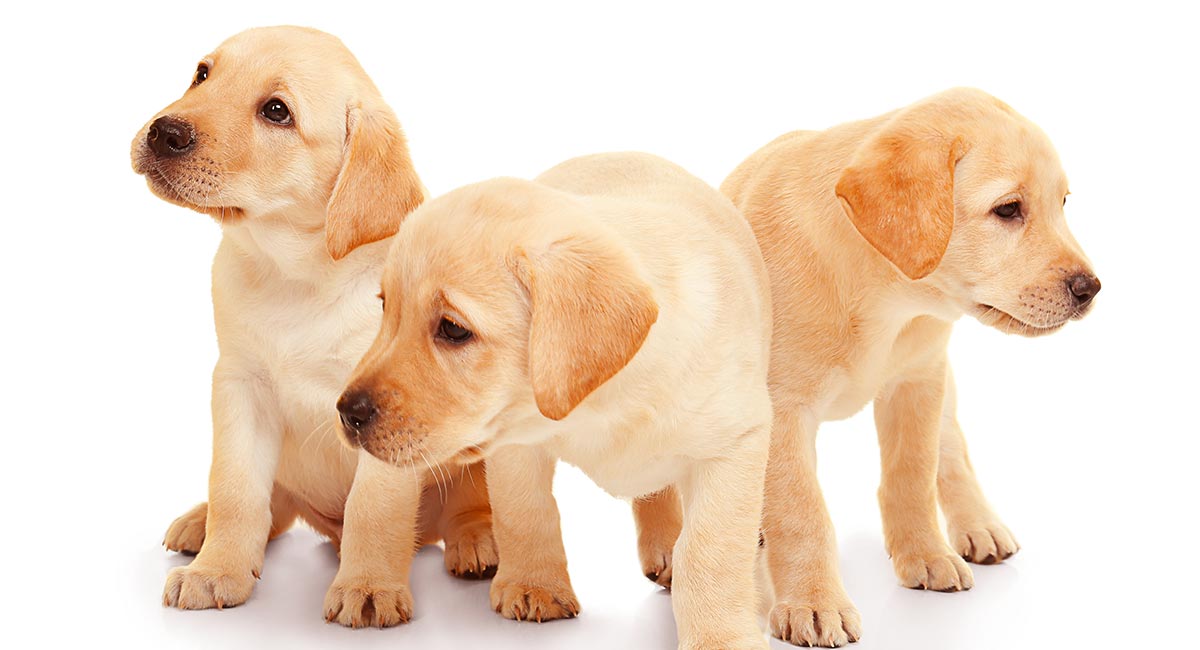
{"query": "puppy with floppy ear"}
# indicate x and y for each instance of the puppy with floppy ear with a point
(575, 345)
(878, 235)
(899, 193)
(613, 313)
(284, 139)
(367, 202)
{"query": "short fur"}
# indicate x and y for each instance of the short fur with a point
(295, 309)
(878, 235)
(621, 321)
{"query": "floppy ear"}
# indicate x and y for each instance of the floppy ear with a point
(590, 315)
(899, 193)
(377, 186)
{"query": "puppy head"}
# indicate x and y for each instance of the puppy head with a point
(501, 303)
(283, 120)
(962, 191)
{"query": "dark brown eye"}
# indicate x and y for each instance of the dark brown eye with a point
(453, 332)
(201, 74)
(1064, 201)
(276, 111)
(382, 301)
(1008, 210)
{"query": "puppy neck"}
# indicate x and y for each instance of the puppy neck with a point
(291, 245)
(866, 278)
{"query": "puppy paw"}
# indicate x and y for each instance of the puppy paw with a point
(830, 624)
(756, 643)
(530, 602)
(199, 586)
(940, 570)
(656, 562)
(361, 602)
(471, 552)
(983, 543)
(186, 534)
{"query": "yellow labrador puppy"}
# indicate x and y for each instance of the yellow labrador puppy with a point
(286, 142)
(878, 235)
(613, 313)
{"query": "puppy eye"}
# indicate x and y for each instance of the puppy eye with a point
(382, 301)
(453, 332)
(201, 74)
(276, 111)
(1064, 201)
(1008, 210)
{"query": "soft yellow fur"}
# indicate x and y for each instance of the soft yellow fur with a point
(620, 321)
(878, 235)
(295, 309)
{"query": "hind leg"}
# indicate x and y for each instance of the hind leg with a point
(465, 524)
(659, 518)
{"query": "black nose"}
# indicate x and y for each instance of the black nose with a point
(170, 137)
(1083, 288)
(357, 410)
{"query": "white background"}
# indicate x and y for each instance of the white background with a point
(1086, 441)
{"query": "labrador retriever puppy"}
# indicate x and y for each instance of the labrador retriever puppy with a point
(878, 235)
(284, 140)
(613, 313)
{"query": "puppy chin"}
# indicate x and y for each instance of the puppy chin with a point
(1009, 324)
(166, 188)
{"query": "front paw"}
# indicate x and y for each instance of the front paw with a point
(471, 551)
(200, 586)
(362, 602)
(186, 534)
(983, 542)
(936, 570)
(758, 643)
(816, 622)
(527, 601)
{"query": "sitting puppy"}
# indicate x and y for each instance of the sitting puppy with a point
(284, 140)
(613, 313)
(878, 235)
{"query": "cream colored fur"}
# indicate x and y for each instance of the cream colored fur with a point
(620, 320)
(878, 235)
(295, 309)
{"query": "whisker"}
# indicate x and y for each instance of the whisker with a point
(436, 478)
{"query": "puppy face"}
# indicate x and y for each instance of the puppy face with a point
(280, 120)
(491, 297)
(963, 191)
(1012, 262)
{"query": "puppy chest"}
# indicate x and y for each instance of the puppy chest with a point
(628, 475)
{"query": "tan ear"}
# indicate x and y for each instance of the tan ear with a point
(590, 315)
(377, 186)
(899, 192)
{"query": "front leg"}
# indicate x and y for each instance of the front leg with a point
(811, 607)
(532, 583)
(247, 434)
(379, 539)
(714, 594)
(907, 418)
(975, 530)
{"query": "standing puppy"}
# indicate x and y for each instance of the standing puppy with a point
(284, 140)
(878, 235)
(613, 313)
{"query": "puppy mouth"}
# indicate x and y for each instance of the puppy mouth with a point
(1009, 324)
(174, 190)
